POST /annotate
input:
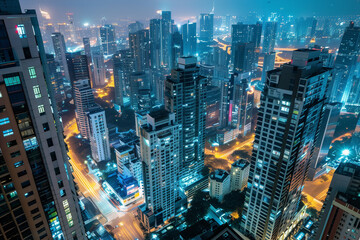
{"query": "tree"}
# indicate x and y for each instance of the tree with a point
(198, 209)
(205, 171)
(242, 154)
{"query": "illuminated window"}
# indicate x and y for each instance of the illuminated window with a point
(18, 164)
(32, 72)
(0, 95)
(68, 213)
(41, 110)
(9, 81)
(37, 91)
(4, 121)
(20, 30)
(8, 132)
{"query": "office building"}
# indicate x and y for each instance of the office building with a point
(159, 147)
(84, 101)
(244, 57)
(213, 97)
(108, 39)
(78, 65)
(188, 31)
(57, 79)
(38, 194)
(268, 64)
(60, 53)
(287, 127)
(139, 43)
(335, 217)
(98, 70)
(165, 37)
(239, 175)
(323, 142)
(269, 37)
(219, 184)
(176, 48)
(155, 43)
(99, 134)
(138, 81)
(123, 67)
(185, 95)
(206, 35)
(87, 47)
(349, 51)
(227, 102)
(135, 27)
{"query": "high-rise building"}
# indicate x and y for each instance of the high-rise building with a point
(87, 47)
(226, 102)
(346, 181)
(98, 70)
(123, 67)
(159, 147)
(219, 184)
(244, 57)
(71, 26)
(84, 101)
(38, 194)
(327, 129)
(213, 97)
(269, 37)
(188, 31)
(138, 81)
(343, 221)
(99, 134)
(349, 52)
(241, 36)
(239, 174)
(176, 48)
(108, 39)
(136, 26)
(185, 95)
(287, 127)
(155, 43)
(57, 79)
(78, 66)
(140, 49)
(206, 34)
(60, 53)
(269, 64)
(165, 37)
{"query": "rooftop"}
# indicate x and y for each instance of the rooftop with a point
(241, 163)
(219, 175)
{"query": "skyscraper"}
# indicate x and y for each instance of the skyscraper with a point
(99, 135)
(123, 67)
(346, 181)
(60, 51)
(78, 66)
(84, 101)
(165, 36)
(138, 81)
(268, 64)
(269, 37)
(244, 57)
(37, 190)
(226, 102)
(98, 69)
(348, 54)
(185, 95)
(159, 147)
(140, 49)
(206, 34)
(188, 31)
(291, 107)
(57, 79)
(108, 39)
(176, 48)
(155, 43)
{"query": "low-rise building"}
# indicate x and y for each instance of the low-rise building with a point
(219, 184)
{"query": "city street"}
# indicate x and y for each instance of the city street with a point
(316, 191)
(89, 187)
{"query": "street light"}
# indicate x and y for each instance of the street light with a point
(346, 152)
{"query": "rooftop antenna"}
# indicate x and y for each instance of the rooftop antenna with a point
(213, 8)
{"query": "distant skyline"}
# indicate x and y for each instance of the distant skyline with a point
(92, 10)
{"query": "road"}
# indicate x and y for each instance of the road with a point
(89, 187)
(316, 191)
(225, 154)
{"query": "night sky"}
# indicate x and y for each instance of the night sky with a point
(93, 10)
